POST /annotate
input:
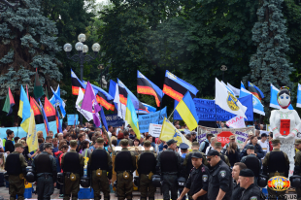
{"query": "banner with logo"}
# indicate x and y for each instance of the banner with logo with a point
(207, 110)
(241, 134)
(114, 120)
(155, 118)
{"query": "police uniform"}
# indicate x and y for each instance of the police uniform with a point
(237, 191)
(183, 147)
(44, 167)
(124, 166)
(146, 164)
(100, 168)
(198, 179)
(218, 145)
(169, 166)
(187, 165)
(275, 161)
(253, 191)
(220, 178)
(297, 169)
(72, 164)
(253, 163)
(15, 166)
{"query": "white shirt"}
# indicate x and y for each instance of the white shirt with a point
(265, 146)
(109, 134)
(209, 148)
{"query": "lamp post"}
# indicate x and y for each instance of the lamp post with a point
(4, 4)
(82, 56)
(223, 69)
(102, 68)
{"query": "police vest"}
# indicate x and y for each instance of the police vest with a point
(123, 161)
(13, 164)
(147, 163)
(277, 162)
(205, 147)
(71, 163)
(253, 164)
(43, 163)
(99, 160)
(169, 161)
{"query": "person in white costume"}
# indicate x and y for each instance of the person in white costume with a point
(287, 141)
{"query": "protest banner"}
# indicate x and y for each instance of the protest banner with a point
(208, 111)
(155, 118)
(19, 132)
(236, 122)
(114, 120)
(155, 130)
(223, 134)
(72, 119)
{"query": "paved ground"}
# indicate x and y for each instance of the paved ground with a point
(4, 193)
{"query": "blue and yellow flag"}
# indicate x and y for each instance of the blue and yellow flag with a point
(187, 111)
(131, 117)
(169, 131)
(24, 110)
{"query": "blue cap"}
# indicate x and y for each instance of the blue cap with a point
(184, 146)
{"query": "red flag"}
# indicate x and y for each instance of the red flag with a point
(36, 111)
(49, 110)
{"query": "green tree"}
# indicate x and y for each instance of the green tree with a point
(28, 41)
(270, 64)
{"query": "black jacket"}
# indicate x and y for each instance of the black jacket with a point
(252, 191)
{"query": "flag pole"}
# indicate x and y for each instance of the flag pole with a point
(171, 114)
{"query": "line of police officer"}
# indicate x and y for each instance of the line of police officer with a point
(206, 178)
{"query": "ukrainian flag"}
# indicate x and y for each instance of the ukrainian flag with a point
(187, 111)
(131, 117)
(24, 110)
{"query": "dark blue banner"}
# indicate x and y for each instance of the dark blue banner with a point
(207, 110)
(114, 120)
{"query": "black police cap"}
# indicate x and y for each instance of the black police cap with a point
(213, 153)
(246, 173)
(196, 155)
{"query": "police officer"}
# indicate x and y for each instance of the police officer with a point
(220, 180)
(218, 147)
(275, 161)
(15, 166)
(184, 150)
(297, 169)
(187, 164)
(146, 168)
(252, 162)
(72, 164)
(44, 167)
(246, 179)
(197, 183)
(100, 163)
(237, 190)
(125, 165)
(169, 166)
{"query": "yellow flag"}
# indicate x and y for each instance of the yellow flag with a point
(169, 131)
(32, 138)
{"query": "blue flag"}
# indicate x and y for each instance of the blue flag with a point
(257, 105)
(103, 118)
(273, 99)
(56, 101)
(299, 96)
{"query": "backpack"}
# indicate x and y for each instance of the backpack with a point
(58, 166)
